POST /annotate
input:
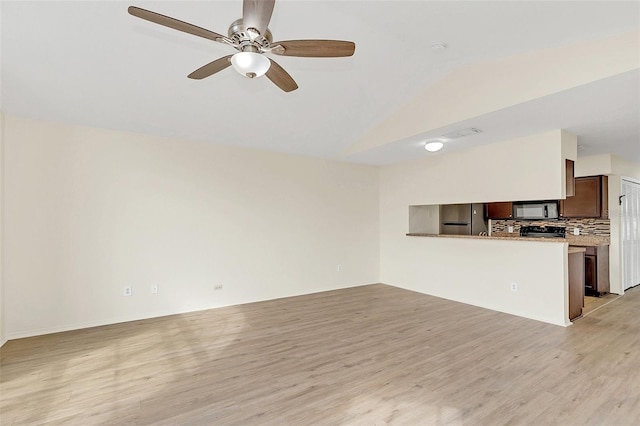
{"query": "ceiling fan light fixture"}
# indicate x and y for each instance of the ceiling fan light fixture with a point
(250, 64)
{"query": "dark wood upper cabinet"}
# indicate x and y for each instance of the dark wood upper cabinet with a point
(570, 179)
(590, 198)
(500, 210)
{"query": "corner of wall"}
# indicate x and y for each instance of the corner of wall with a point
(569, 143)
(625, 168)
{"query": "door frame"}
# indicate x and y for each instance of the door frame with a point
(623, 225)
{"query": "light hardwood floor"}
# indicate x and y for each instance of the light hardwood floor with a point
(592, 303)
(371, 355)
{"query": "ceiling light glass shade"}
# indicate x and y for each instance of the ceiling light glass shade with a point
(250, 64)
(433, 146)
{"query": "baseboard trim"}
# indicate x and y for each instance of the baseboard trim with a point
(100, 323)
(148, 315)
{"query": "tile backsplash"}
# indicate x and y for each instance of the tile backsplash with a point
(599, 227)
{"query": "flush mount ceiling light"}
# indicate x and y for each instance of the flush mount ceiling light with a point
(433, 145)
(250, 64)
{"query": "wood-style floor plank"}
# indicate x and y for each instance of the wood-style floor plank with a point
(371, 355)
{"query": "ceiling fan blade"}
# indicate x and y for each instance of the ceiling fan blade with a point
(314, 48)
(176, 24)
(257, 14)
(211, 68)
(280, 77)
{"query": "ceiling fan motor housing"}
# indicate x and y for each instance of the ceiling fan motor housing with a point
(243, 37)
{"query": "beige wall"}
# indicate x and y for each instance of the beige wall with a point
(89, 211)
(486, 173)
(478, 271)
(593, 165)
(616, 168)
(625, 168)
(606, 164)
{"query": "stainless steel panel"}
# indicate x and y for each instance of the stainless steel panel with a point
(455, 219)
(462, 229)
(478, 221)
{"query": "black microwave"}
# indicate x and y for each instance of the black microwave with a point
(535, 210)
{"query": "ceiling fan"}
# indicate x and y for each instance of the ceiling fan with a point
(250, 35)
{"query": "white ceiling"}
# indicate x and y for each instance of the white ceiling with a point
(91, 63)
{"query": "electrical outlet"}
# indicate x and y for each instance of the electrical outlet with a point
(514, 287)
(576, 231)
(510, 229)
(154, 289)
(126, 291)
(339, 268)
(217, 287)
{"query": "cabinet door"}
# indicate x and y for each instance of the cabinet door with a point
(587, 199)
(500, 210)
(602, 270)
(569, 178)
(576, 284)
(590, 275)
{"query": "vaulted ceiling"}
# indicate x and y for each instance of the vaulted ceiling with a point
(91, 63)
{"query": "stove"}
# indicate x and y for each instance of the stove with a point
(543, 231)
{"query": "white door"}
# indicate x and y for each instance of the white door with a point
(630, 212)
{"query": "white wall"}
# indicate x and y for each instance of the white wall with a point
(478, 271)
(88, 211)
(3, 337)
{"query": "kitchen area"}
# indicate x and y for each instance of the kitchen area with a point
(581, 220)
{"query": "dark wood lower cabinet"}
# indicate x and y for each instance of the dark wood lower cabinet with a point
(596, 271)
(590, 275)
(576, 281)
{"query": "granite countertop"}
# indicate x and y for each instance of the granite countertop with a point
(574, 240)
(574, 249)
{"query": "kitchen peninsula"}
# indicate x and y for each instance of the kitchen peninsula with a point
(480, 270)
(542, 268)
